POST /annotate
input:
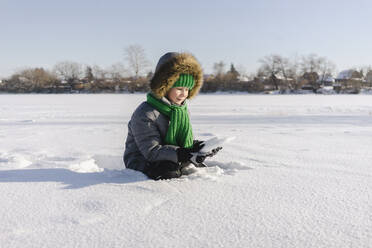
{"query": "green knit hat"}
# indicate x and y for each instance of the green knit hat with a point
(185, 80)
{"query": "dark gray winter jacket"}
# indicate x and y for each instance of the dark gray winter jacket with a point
(145, 141)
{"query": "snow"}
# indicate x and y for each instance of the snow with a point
(215, 142)
(297, 174)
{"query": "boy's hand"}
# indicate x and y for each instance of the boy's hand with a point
(198, 158)
(185, 154)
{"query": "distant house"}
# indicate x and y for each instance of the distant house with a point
(309, 81)
(369, 76)
(349, 81)
(350, 74)
(368, 79)
(280, 81)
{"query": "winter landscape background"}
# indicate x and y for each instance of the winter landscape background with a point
(297, 174)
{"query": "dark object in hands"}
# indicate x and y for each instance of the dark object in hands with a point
(184, 154)
(198, 158)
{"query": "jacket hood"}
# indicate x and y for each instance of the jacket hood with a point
(170, 67)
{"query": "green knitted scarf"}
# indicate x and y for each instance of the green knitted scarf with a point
(179, 131)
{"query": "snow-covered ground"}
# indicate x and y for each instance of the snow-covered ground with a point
(297, 174)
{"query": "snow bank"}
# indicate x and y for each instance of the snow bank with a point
(85, 167)
(13, 161)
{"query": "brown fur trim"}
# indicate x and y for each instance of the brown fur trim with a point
(168, 73)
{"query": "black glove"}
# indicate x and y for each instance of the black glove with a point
(197, 141)
(184, 154)
(198, 158)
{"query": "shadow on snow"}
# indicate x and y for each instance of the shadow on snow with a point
(71, 179)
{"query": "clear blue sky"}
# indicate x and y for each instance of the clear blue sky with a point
(44, 32)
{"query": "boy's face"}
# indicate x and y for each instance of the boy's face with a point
(178, 94)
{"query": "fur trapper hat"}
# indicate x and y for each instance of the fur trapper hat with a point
(168, 70)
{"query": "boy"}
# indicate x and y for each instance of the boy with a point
(160, 140)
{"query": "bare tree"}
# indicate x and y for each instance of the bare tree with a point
(136, 58)
(68, 71)
(326, 68)
(31, 80)
(314, 63)
(310, 63)
(277, 68)
(364, 70)
(98, 72)
(219, 69)
(318, 67)
(273, 64)
(293, 72)
(38, 76)
(244, 75)
(89, 74)
(117, 71)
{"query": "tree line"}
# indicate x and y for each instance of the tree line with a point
(275, 73)
(290, 75)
